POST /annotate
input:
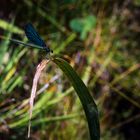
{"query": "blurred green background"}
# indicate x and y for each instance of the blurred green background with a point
(100, 39)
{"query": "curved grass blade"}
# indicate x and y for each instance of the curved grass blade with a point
(87, 101)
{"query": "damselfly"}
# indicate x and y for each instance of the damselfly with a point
(35, 40)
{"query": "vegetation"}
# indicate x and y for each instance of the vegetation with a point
(99, 39)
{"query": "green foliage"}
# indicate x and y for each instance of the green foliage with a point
(69, 1)
(10, 27)
(83, 25)
(137, 2)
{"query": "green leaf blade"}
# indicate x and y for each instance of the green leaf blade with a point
(87, 101)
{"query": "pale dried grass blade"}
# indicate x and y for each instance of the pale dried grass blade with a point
(39, 69)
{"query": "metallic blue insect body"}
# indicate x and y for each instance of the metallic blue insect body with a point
(34, 37)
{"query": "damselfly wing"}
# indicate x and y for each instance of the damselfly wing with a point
(35, 38)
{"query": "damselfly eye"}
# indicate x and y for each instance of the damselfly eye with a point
(51, 51)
